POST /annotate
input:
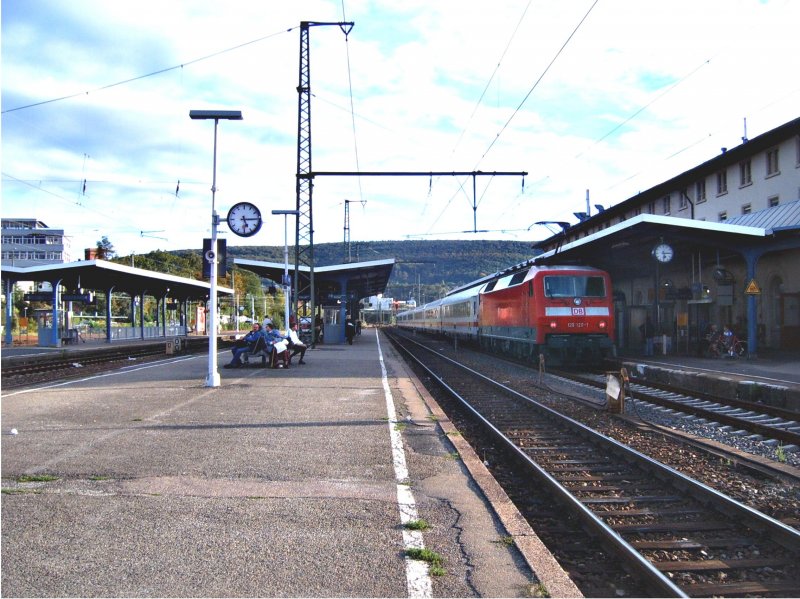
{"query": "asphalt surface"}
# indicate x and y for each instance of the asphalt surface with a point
(277, 483)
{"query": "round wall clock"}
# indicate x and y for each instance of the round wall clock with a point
(663, 252)
(244, 219)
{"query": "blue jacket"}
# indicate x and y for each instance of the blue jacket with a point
(252, 337)
(273, 336)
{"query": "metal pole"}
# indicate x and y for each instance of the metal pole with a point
(212, 379)
(285, 283)
(286, 270)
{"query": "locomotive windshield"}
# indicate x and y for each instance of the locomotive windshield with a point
(574, 286)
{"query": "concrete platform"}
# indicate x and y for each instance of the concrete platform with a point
(772, 378)
(291, 482)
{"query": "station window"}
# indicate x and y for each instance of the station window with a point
(773, 167)
(772, 202)
(747, 209)
(723, 216)
(651, 208)
(797, 149)
(700, 191)
(722, 183)
(683, 199)
(745, 177)
(666, 204)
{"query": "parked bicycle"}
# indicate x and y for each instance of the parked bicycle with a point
(725, 344)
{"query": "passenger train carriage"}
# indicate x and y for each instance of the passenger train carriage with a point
(563, 312)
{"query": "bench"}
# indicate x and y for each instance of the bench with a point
(259, 350)
(71, 336)
(265, 352)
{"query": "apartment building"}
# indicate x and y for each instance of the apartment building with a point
(30, 242)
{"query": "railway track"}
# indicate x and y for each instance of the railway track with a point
(677, 537)
(757, 419)
(23, 371)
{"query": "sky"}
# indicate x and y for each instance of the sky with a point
(609, 96)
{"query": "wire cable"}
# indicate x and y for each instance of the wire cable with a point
(530, 91)
(145, 76)
(352, 107)
(491, 78)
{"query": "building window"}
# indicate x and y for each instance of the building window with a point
(700, 189)
(797, 149)
(772, 202)
(745, 177)
(723, 216)
(722, 183)
(746, 209)
(772, 162)
(651, 207)
(637, 211)
(683, 199)
(666, 204)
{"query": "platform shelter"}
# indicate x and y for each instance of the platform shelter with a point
(715, 263)
(73, 282)
(338, 288)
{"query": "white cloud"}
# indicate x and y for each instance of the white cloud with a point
(691, 70)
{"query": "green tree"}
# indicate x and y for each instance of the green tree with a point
(105, 249)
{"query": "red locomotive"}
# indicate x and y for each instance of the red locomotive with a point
(563, 312)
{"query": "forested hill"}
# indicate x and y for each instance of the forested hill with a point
(424, 268)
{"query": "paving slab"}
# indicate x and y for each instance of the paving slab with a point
(277, 483)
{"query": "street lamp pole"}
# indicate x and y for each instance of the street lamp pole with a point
(213, 379)
(286, 286)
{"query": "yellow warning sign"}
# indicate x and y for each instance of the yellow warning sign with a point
(753, 288)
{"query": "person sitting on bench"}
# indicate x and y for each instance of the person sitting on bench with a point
(295, 345)
(247, 344)
(277, 342)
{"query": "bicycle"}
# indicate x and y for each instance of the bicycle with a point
(738, 348)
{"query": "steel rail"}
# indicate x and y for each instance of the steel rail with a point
(766, 430)
(785, 535)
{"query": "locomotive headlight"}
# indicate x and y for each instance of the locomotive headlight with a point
(553, 324)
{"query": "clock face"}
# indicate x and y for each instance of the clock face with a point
(244, 219)
(663, 252)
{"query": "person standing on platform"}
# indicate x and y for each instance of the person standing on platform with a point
(349, 330)
(648, 331)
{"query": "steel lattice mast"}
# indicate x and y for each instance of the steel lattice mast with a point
(304, 240)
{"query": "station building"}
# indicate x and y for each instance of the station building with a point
(718, 244)
(30, 242)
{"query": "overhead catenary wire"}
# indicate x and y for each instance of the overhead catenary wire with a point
(352, 106)
(146, 75)
(536, 83)
(492, 76)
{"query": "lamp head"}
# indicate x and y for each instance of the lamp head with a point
(228, 115)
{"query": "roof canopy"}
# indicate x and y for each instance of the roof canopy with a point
(362, 279)
(625, 248)
(101, 275)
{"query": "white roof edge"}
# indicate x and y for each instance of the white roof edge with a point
(384, 262)
(303, 268)
(658, 220)
(119, 268)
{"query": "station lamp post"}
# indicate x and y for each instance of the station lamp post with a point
(286, 286)
(212, 379)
